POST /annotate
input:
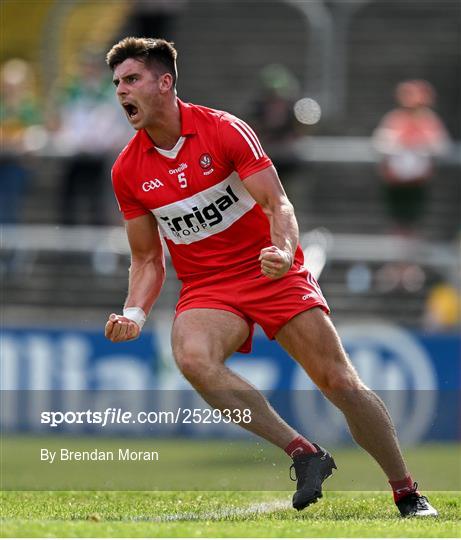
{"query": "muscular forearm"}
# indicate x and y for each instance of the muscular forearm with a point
(147, 274)
(284, 227)
(145, 282)
(266, 189)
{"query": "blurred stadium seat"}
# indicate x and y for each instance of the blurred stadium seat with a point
(225, 44)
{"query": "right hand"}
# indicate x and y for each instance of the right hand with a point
(275, 262)
(119, 328)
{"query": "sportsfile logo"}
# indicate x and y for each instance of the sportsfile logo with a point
(201, 218)
(205, 213)
(152, 184)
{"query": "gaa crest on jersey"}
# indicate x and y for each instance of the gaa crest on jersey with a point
(152, 184)
(205, 161)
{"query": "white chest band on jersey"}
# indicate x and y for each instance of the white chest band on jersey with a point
(135, 314)
(206, 213)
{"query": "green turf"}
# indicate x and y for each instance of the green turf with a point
(205, 513)
(217, 514)
(206, 465)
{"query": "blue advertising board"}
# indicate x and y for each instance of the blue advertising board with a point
(418, 376)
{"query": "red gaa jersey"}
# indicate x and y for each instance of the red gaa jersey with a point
(209, 220)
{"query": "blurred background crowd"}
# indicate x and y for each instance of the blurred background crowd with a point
(357, 102)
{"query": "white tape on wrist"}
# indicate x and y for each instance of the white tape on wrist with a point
(135, 314)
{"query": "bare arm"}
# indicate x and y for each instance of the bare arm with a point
(268, 192)
(147, 274)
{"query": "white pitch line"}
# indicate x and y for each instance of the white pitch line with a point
(219, 515)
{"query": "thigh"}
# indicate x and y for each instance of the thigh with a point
(272, 303)
(311, 339)
(208, 335)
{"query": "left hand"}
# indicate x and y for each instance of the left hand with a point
(275, 262)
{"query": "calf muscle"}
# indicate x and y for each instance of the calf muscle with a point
(310, 338)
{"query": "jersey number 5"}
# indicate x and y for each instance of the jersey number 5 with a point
(182, 180)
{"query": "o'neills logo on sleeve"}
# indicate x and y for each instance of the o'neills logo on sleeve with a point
(207, 213)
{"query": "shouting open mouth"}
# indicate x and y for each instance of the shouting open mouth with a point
(131, 110)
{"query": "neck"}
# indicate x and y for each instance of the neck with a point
(167, 129)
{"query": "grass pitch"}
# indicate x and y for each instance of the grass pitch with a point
(218, 514)
(237, 513)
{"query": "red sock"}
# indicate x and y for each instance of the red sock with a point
(300, 445)
(401, 488)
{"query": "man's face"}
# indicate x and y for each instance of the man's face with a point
(138, 91)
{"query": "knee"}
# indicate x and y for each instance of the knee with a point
(341, 379)
(196, 364)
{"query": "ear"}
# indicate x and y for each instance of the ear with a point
(165, 83)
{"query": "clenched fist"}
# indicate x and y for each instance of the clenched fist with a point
(275, 262)
(119, 328)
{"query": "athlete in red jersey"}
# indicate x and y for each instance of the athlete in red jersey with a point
(200, 178)
(195, 191)
(213, 227)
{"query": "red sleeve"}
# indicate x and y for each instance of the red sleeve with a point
(241, 146)
(127, 203)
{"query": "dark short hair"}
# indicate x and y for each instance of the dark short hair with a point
(153, 52)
